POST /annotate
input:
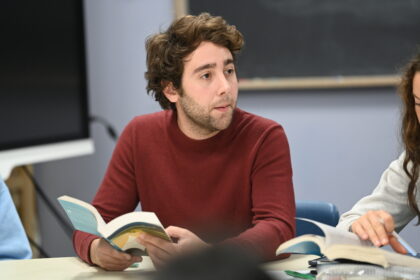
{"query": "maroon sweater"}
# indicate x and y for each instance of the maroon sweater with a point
(235, 186)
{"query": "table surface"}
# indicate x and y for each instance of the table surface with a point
(72, 268)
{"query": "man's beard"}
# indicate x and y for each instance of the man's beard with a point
(201, 116)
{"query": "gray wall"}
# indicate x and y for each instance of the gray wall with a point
(341, 140)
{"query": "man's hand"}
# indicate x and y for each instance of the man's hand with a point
(377, 226)
(105, 256)
(160, 251)
(187, 240)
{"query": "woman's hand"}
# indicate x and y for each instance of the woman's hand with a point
(377, 226)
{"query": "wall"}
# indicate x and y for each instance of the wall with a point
(341, 140)
(116, 32)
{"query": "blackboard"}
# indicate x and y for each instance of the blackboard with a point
(320, 42)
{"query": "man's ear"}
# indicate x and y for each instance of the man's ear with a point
(171, 93)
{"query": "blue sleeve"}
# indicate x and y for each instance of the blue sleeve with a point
(13, 241)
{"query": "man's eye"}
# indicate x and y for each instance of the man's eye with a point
(205, 76)
(230, 71)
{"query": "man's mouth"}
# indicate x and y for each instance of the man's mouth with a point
(223, 108)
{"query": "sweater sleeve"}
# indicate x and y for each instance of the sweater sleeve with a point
(273, 204)
(117, 193)
(390, 195)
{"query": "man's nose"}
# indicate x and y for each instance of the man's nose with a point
(224, 85)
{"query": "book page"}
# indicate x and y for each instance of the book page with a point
(128, 242)
(334, 235)
(371, 255)
(133, 224)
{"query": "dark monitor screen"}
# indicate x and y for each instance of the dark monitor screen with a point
(43, 91)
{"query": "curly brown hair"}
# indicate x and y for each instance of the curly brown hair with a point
(166, 51)
(410, 131)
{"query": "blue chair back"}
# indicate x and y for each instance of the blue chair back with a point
(324, 212)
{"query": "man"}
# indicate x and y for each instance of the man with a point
(13, 241)
(210, 171)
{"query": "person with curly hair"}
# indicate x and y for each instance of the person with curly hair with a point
(213, 173)
(395, 201)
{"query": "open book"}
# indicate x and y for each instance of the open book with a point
(121, 232)
(338, 244)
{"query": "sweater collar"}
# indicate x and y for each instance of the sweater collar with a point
(182, 140)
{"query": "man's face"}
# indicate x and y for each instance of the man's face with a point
(209, 91)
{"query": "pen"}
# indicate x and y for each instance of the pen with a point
(300, 275)
(407, 246)
(404, 243)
